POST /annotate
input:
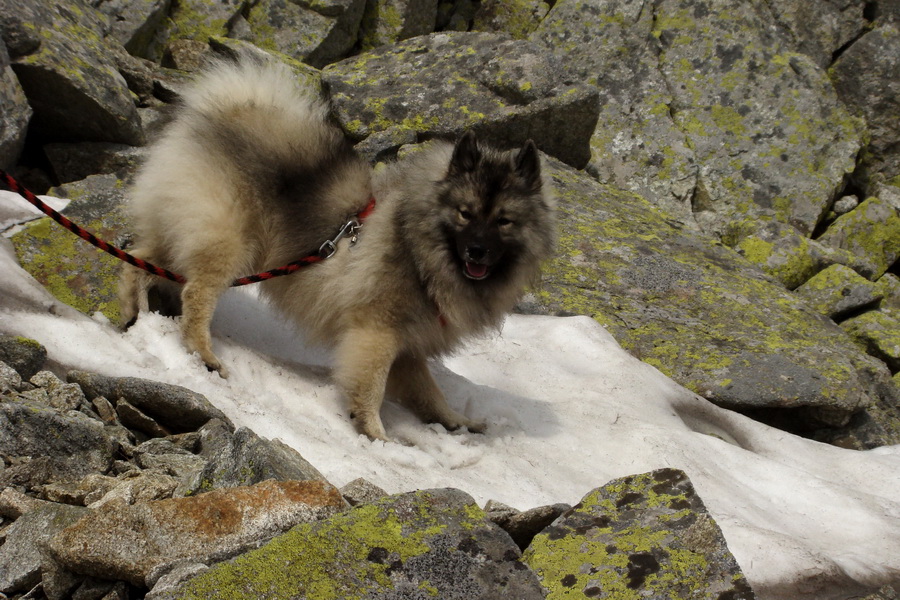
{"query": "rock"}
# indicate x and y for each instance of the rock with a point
(635, 144)
(791, 258)
(389, 21)
(24, 355)
(523, 526)
(69, 79)
(20, 557)
(360, 491)
(889, 285)
(74, 271)
(712, 118)
(823, 29)
(696, 310)
(511, 91)
(164, 455)
(130, 541)
(10, 380)
(74, 162)
(60, 395)
(517, 18)
(74, 444)
(186, 55)
(134, 418)
(867, 78)
(646, 536)
(14, 504)
(845, 205)
(176, 408)
(15, 113)
(871, 231)
(244, 458)
(432, 543)
(134, 487)
(316, 33)
(134, 23)
(879, 333)
(839, 290)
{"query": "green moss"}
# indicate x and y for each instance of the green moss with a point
(64, 263)
(330, 560)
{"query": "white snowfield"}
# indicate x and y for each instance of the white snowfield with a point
(567, 411)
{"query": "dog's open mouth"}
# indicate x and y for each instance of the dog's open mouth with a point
(476, 271)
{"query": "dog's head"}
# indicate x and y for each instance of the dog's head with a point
(496, 214)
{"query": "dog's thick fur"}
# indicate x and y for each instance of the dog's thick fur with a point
(251, 175)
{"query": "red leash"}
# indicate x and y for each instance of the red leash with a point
(351, 228)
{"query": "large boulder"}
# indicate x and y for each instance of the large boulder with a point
(14, 112)
(74, 271)
(432, 543)
(707, 108)
(442, 84)
(867, 78)
(70, 77)
(695, 309)
(131, 541)
(643, 536)
(316, 33)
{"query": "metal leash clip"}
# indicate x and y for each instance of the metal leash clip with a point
(351, 228)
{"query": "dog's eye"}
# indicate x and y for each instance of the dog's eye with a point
(503, 222)
(465, 215)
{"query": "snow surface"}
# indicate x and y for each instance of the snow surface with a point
(567, 411)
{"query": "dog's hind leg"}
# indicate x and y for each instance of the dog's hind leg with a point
(134, 284)
(411, 383)
(211, 272)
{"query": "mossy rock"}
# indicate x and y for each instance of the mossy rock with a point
(71, 269)
(839, 290)
(71, 80)
(24, 355)
(445, 83)
(871, 230)
(640, 537)
(695, 309)
(426, 544)
(879, 333)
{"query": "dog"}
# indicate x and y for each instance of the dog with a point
(252, 174)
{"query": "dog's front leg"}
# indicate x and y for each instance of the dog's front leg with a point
(364, 358)
(411, 383)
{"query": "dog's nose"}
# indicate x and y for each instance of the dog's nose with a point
(476, 253)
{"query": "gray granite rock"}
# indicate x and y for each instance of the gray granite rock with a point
(871, 230)
(642, 536)
(867, 78)
(15, 113)
(839, 290)
(175, 407)
(130, 541)
(72, 443)
(431, 543)
(441, 84)
(244, 458)
(70, 79)
(20, 554)
(24, 355)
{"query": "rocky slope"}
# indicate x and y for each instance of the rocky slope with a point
(727, 171)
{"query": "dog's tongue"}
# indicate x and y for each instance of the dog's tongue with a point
(475, 270)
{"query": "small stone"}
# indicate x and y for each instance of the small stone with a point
(845, 205)
(361, 491)
(61, 395)
(22, 354)
(879, 333)
(142, 486)
(127, 543)
(105, 409)
(839, 290)
(134, 418)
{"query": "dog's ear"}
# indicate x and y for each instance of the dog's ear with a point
(528, 165)
(465, 155)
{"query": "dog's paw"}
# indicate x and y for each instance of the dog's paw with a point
(370, 426)
(454, 421)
